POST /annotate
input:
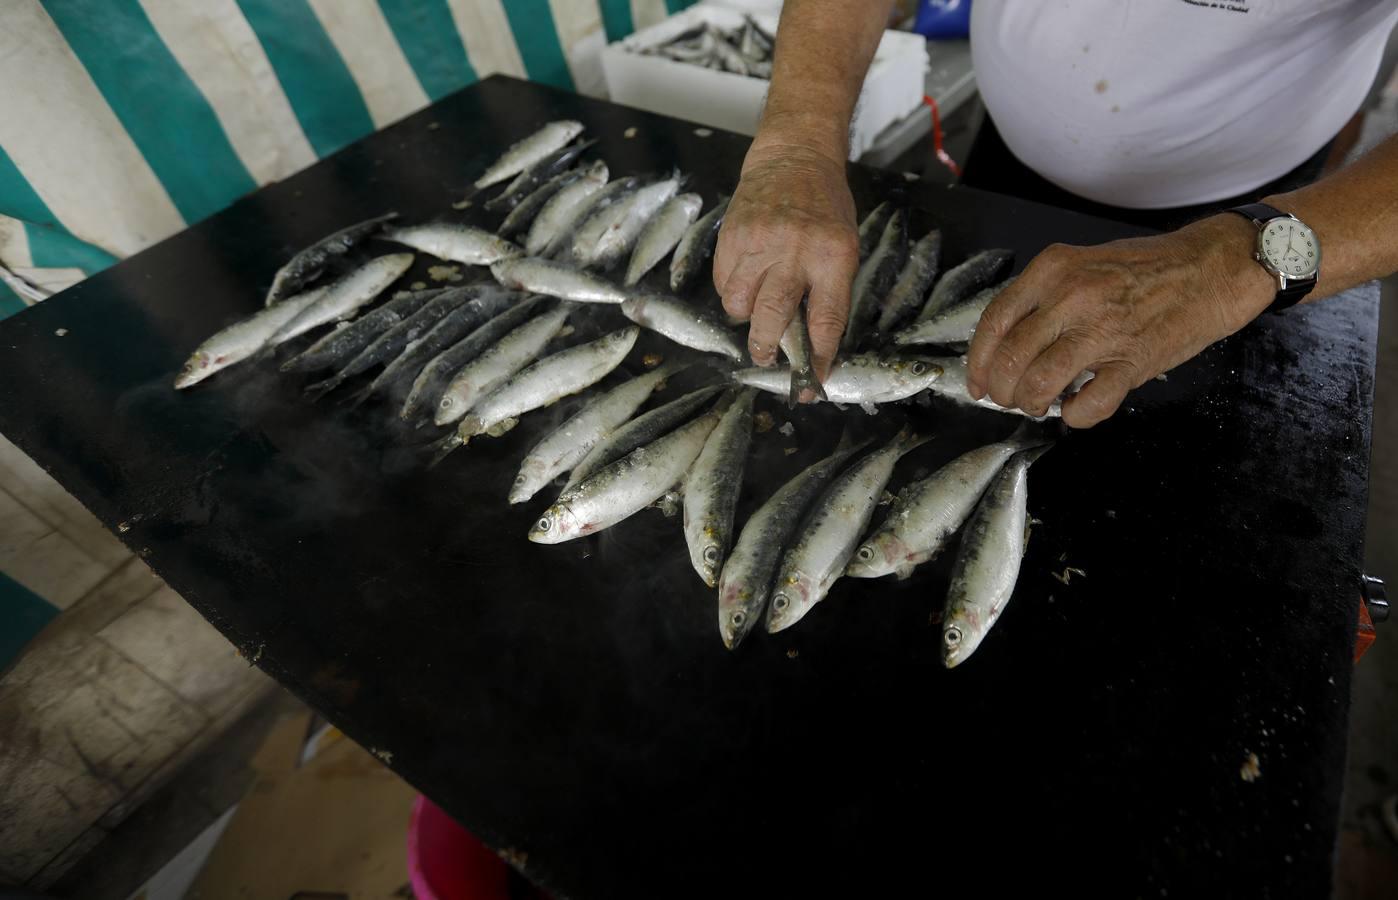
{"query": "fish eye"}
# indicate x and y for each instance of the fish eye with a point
(952, 636)
(738, 618)
(711, 554)
(865, 553)
(780, 602)
(919, 368)
(446, 403)
(544, 524)
(519, 480)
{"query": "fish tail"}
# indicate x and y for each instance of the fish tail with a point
(443, 448)
(803, 380)
(355, 400)
(321, 388)
(1033, 453)
(907, 440)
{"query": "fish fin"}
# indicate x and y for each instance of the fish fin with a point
(869, 408)
(1033, 453)
(904, 571)
(908, 440)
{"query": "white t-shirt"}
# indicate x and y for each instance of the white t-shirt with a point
(1159, 103)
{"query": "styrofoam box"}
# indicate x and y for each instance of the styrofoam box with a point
(892, 89)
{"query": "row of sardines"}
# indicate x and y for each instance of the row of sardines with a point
(469, 360)
(745, 50)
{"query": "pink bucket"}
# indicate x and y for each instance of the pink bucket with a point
(446, 862)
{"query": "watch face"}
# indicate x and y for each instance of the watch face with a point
(1290, 248)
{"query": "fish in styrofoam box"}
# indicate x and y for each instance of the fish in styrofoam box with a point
(639, 76)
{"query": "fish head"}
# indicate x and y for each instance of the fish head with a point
(919, 371)
(198, 367)
(962, 632)
(707, 555)
(792, 598)
(877, 556)
(739, 606)
(453, 405)
(503, 271)
(527, 482)
(556, 525)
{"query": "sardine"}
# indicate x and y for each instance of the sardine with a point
(543, 276)
(432, 381)
(547, 381)
(697, 245)
(607, 237)
(958, 284)
(522, 216)
(954, 325)
(307, 266)
(796, 344)
(730, 58)
(388, 345)
(875, 278)
(751, 567)
(864, 379)
(488, 371)
(926, 513)
(683, 323)
(565, 208)
(641, 430)
(343, 297)
(525, 182)
(565, 446)
(987, 563)
(242, 339)
(614, 192)
(624, 487)
(347, 340)
(457, 243)
(661, 234)
(818, 556)
(526, 152)
(485, 301)
(711, 488)
(909, 291)
(952, 385)
(871, 229)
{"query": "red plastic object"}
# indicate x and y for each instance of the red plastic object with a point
(1364, 635)
(446, 862)
(937, 147)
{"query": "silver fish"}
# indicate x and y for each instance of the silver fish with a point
(543, 276)
(818, 556)
(608, 236)
(347, 340)
(624, 487)
(343, 297)
(926, 513)
(954, 325)
(747, 576)
(952, 385)
(614, 192)
(641, 430)
(526, 152)
(871, 229)
(875, 278)
(522, 216)
(987, 564)
(565, 446)
(924, 261)
(242, 339)
(457, 243)
(697, 245)
(730, 58)
(564, 208)
(307, 265)
(864, 379)
(432, 381)
(661, 235)
(796, 344)
(547, 381)
(682, 323)
(488, 371)
(525, 182)
(484, 302)
(711, 488)
(958, 284)
(388, 345)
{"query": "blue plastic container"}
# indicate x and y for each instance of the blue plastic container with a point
(943, 18)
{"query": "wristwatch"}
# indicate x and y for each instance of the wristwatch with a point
(1287, 248)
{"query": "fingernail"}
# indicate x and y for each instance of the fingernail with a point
(974, 389)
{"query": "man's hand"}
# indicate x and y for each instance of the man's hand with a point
(789, 233)
(1127, 310)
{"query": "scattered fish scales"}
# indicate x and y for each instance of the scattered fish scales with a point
(828, 538)
(308, 264)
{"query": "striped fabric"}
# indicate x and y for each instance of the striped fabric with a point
(123, 121)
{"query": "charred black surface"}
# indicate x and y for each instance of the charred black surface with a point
(574, 703)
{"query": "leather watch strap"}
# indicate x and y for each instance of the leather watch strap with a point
(1260, 214)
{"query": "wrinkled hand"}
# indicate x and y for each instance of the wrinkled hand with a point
(789, 233)
(1127, 311)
